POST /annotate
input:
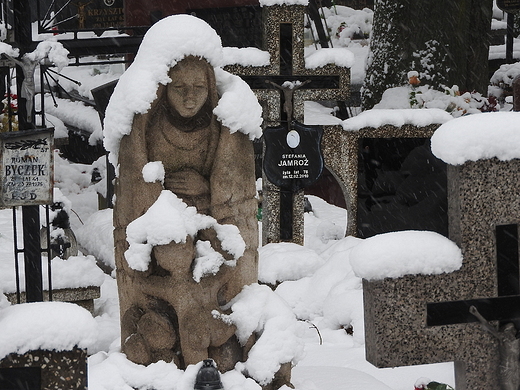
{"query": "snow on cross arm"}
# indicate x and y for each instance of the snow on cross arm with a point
(265, 3)
(166, 43)
(339, 56)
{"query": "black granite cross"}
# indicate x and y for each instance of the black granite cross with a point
(506, 306)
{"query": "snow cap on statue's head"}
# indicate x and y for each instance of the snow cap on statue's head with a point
(178, 36)
(165, 44)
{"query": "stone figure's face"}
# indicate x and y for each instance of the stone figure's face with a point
(188, 90)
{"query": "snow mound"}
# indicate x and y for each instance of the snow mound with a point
(238, 108)
(45, 325)
(96, 236)
(286, 261)
(397, 117)
(257, 309)
(322, 378)
(75, 272)
(392, 255)
(170, 219)
(475, 137)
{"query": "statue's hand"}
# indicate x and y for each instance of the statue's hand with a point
(187, 182)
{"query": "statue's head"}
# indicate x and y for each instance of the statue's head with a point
(189, 88)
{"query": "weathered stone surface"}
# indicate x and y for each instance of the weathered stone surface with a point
(165, 313)
(64, 370)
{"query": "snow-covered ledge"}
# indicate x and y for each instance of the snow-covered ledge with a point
(411, 252)
(397, 117)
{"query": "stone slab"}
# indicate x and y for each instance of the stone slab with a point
(83, 296)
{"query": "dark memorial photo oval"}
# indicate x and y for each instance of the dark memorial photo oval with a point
(293, 160)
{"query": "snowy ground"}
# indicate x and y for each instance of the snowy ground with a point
(320, 287)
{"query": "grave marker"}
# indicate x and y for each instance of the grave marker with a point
(284, 40)
(425, 319)
(28, 173)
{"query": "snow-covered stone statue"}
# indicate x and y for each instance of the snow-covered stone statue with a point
(178, 128)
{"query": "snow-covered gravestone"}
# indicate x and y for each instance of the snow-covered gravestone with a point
(44, 345)
(417, 303)
(179, 131)
(324, 75)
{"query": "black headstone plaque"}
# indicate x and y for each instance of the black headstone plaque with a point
(236, 26)
(20, 378)
(293, 160)
(401, 186)
(509, 6)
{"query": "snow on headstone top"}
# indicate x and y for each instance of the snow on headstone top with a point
(397, 117)
(267, 3)
(165, 44)
(56, 326)
(392, 255)
(337, 56)
(476, 137)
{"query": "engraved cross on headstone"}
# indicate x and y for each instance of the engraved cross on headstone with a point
(284, 40)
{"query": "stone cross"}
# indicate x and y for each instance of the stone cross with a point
(283, 39)
(423, 319)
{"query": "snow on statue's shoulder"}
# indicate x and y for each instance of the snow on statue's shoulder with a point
(479, 136)
(45, 325)
(166, 43)
(392, 255)
(397, 117)
(338, 56)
